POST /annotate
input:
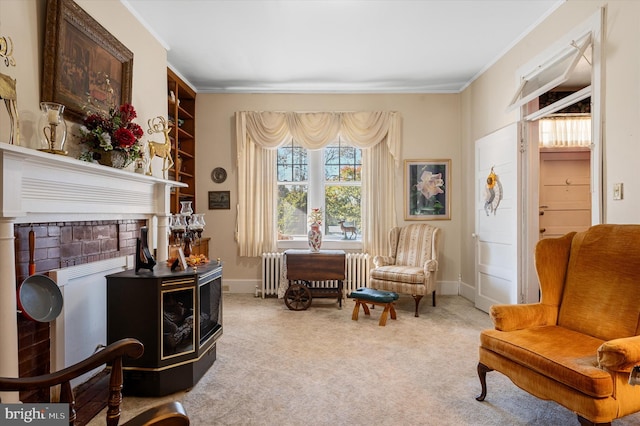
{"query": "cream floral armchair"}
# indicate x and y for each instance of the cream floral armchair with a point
(411, 265)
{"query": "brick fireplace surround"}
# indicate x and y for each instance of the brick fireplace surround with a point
(82, 214)
(60, 245)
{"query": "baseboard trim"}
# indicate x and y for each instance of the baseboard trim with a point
(240, 285)
(467, 291)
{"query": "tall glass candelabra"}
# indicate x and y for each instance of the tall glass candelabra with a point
(186, 226)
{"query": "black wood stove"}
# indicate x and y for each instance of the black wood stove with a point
(178, 318)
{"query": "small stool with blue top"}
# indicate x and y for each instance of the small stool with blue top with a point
(364, 296)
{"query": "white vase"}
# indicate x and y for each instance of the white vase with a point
(315, 237)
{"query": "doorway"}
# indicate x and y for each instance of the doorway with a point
(576, 82)
(572, 65)
(564, 147)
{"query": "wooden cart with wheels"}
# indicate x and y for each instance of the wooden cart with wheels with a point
(304, 267)
(298, 297)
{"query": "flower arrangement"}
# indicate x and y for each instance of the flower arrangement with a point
(112, 139)
(315, 216)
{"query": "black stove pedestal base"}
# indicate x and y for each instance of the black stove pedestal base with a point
(158, 382)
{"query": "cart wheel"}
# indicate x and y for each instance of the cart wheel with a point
(297, 297)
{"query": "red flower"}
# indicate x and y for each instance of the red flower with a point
(136, 130)
(127, 112)
(124, 138)
(94, 121)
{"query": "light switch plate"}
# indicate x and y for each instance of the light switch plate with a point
(617, 191)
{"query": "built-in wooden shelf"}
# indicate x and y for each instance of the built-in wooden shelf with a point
(182, 114)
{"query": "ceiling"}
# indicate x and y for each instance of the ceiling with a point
(336, 46)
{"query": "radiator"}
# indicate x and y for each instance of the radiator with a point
(356, 273)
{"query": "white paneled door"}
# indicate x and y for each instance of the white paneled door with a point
(497, 211)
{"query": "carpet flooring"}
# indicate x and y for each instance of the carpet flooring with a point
(318, 367)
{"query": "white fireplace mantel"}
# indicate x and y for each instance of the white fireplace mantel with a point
(39, 187)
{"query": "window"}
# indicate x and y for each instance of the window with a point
(261, 133)
(293, 189)
(342, 190)
(329, 179)
(554, 72)
(569, 130)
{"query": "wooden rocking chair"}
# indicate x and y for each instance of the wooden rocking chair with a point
(168, 414)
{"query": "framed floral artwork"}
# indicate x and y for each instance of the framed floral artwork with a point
(427, 189)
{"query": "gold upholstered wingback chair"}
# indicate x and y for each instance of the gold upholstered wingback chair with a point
(410, 267)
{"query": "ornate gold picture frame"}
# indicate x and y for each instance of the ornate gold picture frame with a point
(85, 67)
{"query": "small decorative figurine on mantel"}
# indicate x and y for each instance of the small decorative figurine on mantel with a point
(157, 149)
(8, 91)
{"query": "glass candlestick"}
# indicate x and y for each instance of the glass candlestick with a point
(198, 224)
(178, 228)
(52, 128)
(179, 223)
(185, 208)
(201, 219)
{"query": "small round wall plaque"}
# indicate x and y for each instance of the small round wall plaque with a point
(219, 175)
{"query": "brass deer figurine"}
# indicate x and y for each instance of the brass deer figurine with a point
(8, 89)
(157, 149)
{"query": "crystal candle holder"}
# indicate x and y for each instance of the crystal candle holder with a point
(52, 128)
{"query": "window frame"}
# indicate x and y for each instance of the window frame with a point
(316, 184)
(570, 55)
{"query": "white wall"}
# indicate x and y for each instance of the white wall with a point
(484, 103)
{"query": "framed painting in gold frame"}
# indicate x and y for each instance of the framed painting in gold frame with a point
(427, 189)
(85, 67)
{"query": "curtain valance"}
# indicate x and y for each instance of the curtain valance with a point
(314, 130)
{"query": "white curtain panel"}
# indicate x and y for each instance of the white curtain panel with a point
(260, 134)
(565, 132)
